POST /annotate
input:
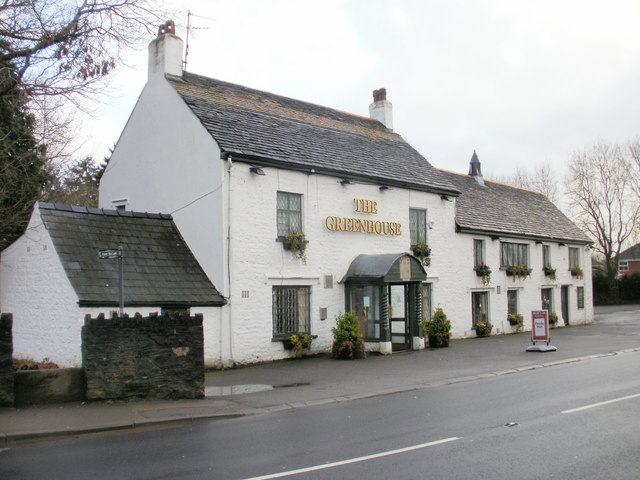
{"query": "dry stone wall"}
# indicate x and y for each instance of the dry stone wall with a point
(155, 356)
(6, 366)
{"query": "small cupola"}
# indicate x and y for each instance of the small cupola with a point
(165, 52)
(474, 168)
(381, 109)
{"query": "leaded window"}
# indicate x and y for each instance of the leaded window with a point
(426, 301)
(574, 257)
(479, 307)
(290, 310)
(512, 302)
(546, 256)
(580, 296)
(478, 252)
(418, 225)
(289, 213)
(513, 254)
(547, 299)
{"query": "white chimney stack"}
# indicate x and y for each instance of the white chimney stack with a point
(381, 108)
(165, 52)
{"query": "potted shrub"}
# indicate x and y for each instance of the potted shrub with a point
(423, 252)
(553, 319)
(518, 271)
(516, 320)
(550, 272)
(577, 272)
(438, 330)
(298, 342)
(347, 338)
(483, 329)
(484, 272)
(297, 243)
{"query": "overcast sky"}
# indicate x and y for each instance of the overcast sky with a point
(521, 82)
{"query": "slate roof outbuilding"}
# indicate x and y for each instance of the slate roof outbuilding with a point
(503, 210)
(159, 269)
(631, 253)
(273, 130)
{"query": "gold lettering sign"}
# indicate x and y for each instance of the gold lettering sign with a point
(341, 224)
(365, 206)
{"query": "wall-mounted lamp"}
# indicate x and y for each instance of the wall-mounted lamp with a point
(562, 244)
(495, 238)
(383, 188)
(446, 197)
(538, 242)
(256, 170)
(345, 181)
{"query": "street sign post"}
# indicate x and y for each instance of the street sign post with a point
(111, 254)
(540, 332)
(108, 254)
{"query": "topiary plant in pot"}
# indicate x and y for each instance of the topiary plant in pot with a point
(438, 330)
(347, 338)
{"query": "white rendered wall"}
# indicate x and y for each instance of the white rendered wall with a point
(165, 161)
(35, 289)
(258, 262)
(460, 263)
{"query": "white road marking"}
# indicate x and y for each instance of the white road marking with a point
(354, 460)
(594, 405)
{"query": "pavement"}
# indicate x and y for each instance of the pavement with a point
(290, 384)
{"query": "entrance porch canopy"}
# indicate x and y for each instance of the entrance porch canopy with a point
(386, 268)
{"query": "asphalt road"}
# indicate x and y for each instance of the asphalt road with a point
(529, 425)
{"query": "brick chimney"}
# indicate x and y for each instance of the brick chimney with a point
(381, 108)
(165, 52)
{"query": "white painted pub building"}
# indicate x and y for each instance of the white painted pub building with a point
(240, 169)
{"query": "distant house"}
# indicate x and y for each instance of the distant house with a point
(629, 261)
(243, 171)
(52, 276)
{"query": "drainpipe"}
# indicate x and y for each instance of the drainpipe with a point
(230, 304)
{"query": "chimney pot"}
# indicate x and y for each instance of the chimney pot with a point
(168, 27)
(165, 52)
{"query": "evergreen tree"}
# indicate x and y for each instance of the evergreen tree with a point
(22, 173)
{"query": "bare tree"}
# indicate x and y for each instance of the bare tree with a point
(54, 53)
(601, 188)
(541, 180)
(63, 47)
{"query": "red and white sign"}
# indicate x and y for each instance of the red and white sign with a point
(540, 326)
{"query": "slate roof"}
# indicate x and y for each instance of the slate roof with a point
(500, 209)
(159, 268)
(631, 253)
(274, 130)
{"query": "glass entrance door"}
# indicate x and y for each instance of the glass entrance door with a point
(398, 313)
